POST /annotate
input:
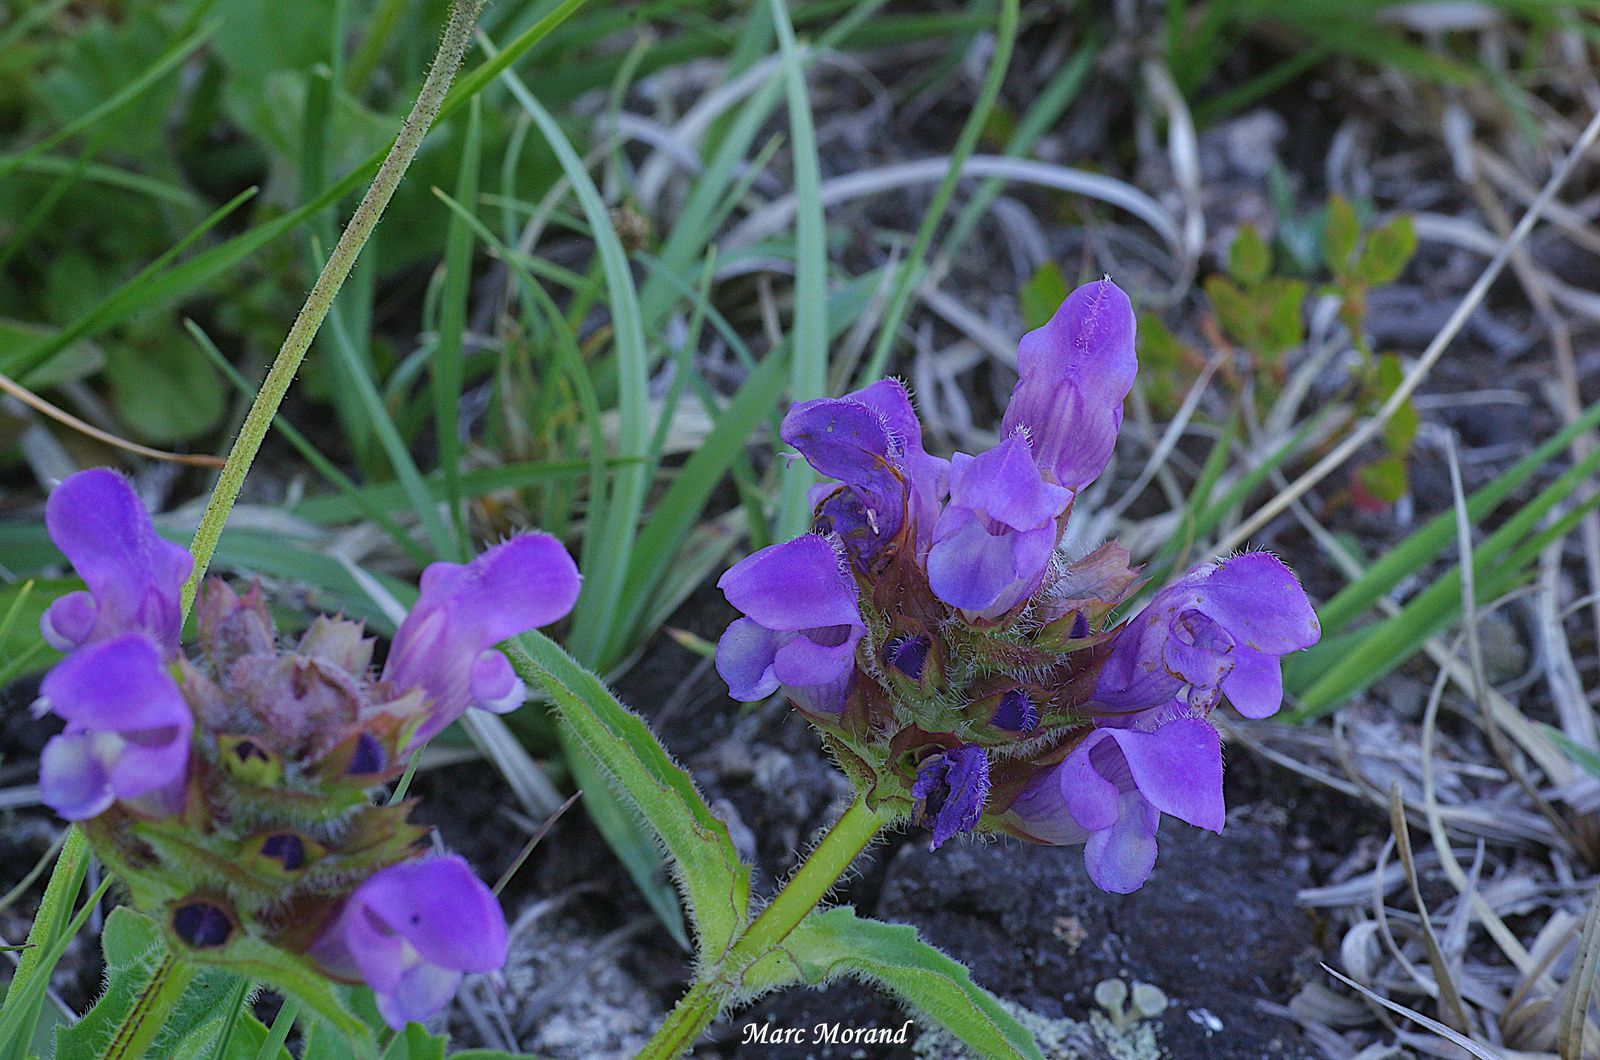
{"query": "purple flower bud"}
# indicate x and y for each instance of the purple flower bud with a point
(411, 931)
(802, 627)
(950, 791)
(134, 576)
(1073, 374)
(871, 441)
(127, 734)
(1016, 712)
(908, 654)
(1112, 789)
(993, 542)
(464, 611)
(1221, 629)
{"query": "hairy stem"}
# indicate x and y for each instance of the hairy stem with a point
(805, 890)
(452, 47)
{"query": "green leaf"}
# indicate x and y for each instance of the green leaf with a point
(715, 883)
(1389, 248)
(1585, 757)
(171, 397)
(1385, 479)
(1235, 311)
(1281, 325)
(893, 957)
(1042, 295)
(53, 926)
(1340, 235)
(139, 968)
(1249, 259)
(1402, 427)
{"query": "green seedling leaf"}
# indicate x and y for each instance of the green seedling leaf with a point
(1401, 429)
(1042, 295)
(1281, 323)
(165, 399)
(1236, 312)
(1340, 235)
(1385, 479)
(714, 882)
(894, 958)
(1389, 247)
(1249, 259)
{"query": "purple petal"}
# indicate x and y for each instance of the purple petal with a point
(841, 438)
(1198, 650)
(796, 585)
(817, 657)
(1092, 798)
(118, 685)
(72, 779)
(495, 685)
(1178, 769)
(441, 909)
(950, 792)
(1119, 858)
(744, 660)
(1040, 812)
(1261, 603)
(1005, 484)
(69, 621)
(418, 995)
(1255, 684)
(1073, 376)
(1016, 712)
(519, 585)
(133, 575)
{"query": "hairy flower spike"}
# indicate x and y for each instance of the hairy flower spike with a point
(964, 672)
(231, 791)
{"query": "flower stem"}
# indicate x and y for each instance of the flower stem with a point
(805, 890)
(452, 47)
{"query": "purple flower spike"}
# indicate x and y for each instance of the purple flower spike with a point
(134, 576)
(1111, 791)
(1221, 629)
(950, 791)
(871, 441)
(127, 734)
(802, 627)
(993, 542)
(444, 645)
(1073, 375)
(411, 931)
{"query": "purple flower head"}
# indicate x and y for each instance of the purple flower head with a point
(993, 542)
(871, 441)
(134, 576)
(444, 646)
(802, 627)
(1221, 629)
(950, 791)
(1111, 790)
(127, 734)
(411, 931)
(1073, 374)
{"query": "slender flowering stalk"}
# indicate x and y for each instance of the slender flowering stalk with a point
(230, 788)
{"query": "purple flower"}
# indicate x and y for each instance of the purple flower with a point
(411, 931)
(1112, 789)
(1220, 629)
(993, 542)
(1072, 376)
(949, 793)
(127, 734)
(134, 576)
(802, 627)
(445, 644)
(871, 441)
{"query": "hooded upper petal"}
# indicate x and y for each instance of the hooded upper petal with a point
(795, 585)
(1073, 374)
(134, 575)
(465, 609)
